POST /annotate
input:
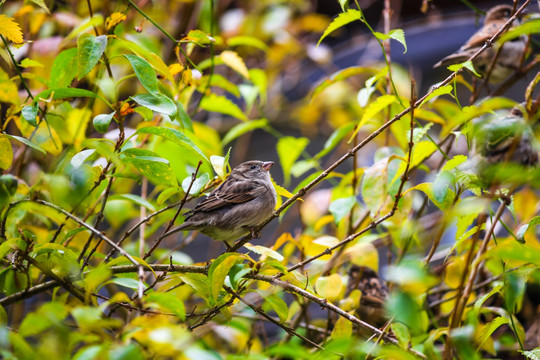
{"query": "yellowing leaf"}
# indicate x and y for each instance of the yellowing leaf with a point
(8, 89)
(115, 19)
(10, 29)
(175, 69)
(6, 153)
(264, 251)
(330, 287)
(218, 272)
(373, 109)
(342, 329)
(235, 62)
(221, 104)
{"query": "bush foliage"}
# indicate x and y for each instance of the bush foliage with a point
(116, 116)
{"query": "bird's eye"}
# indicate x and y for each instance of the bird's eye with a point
(253, 167)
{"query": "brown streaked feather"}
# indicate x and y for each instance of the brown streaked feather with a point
(229, 193)
(484, 34)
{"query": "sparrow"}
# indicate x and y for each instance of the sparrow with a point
(237, 206)
(504, 149)
(505, 137)
(374, 294)
(510, 56)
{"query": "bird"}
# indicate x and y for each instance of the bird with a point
(237, 206)
(504, 147)
(375, 292)
(505, 137)
(508, 59)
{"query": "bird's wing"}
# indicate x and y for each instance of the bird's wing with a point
(482, 35)
(229, 193)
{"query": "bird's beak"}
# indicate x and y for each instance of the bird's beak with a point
(267, 165)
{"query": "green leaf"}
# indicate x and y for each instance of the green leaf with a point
(64, 69)
(64, 93)
(342, 19)
(28, 63)
(220, 104)
(533, 354)
(198, 37)
(446, 89)
(168, 302)
(78, 159)
(197, 282)
(27, 143)
(125, 282)
(136, 199)
(427, 189)
(89, 352)
(101, 122)
(90, 48)
(175, 136)
(218, 272)
(145, 73)
(156, 102)
(242, 128)
(454, 162)
(373, 109)
(490, 328)
(247, 41)
(277, 304)
(220, 165)
(29, 113)
(183, 118)
(443, 183)
(523, 229)
(42, 5)
(198, 184)
(340, 75)
(375, 185)
(341, 207)
(396, 34)
(155, 168)
(344, 4)
(402, 334)
(527, 28)
(289, 149)
(467, 65)
(265, 251)
(237, 273)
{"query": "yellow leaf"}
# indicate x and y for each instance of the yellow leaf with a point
(363, 254)
(115, 19)
(48, 139)
(37, 21)
(8, 89)
(342, 329)
(76, 124)
(6, 153)
(10, 29)
(175, 69)
(235, 62)
(330, 287)
(282, 240)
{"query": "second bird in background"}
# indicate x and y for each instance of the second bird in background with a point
(510, 55)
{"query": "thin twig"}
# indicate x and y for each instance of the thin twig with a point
(171, 223)
(269, 318)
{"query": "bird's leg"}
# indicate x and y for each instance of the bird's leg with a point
(255, 233)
